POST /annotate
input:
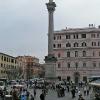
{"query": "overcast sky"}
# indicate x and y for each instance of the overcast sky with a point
(24, 23)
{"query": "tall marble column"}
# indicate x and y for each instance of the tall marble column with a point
(51, 8)
(50, 60)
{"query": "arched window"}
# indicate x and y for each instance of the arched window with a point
(59, 45)
(54, 46)
(93, 43)
(99, 43)
(98, 35)
(75, 44)
(84, 53)
(84, 64)
(76, 65)
(54, 38)
(93, 53)
(67, 36)
(99, 53)
(84, 44)
(94, 64)
(68, 45)
(92, 35)
(75, 36)
(68, 65)
(59, 37)
(59, 65)
(68, 54)
(59, 55)
(76, 53)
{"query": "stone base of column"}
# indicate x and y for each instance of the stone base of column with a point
(50, 67)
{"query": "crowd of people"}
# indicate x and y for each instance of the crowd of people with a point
(73, 89)
(21, 93)
(24, 94)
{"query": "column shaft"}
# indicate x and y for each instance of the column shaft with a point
(50, 33)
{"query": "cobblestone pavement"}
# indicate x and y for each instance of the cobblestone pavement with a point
(52, 95)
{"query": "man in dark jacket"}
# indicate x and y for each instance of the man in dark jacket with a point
(42, 96)
(73, 92)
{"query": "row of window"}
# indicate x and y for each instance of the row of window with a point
(76, 54)
(76, 44)
(7, 72)
(3, 72)
(7, 59)
(94, 64)
(76, 36)
(69, 78)
(8, 66)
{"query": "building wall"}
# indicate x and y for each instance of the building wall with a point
(38, 70)
(21, 64)
(30, 66)
(8, 66)
(85, 64)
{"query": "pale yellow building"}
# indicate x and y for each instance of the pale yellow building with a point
(8, 66)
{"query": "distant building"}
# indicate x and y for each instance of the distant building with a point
(29, 66)
(21, 63)
(38, 70)
(8, 66)
(78, 53)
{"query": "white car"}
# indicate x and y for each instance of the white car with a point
(2, 85)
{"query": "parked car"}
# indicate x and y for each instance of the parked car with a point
(2, 85)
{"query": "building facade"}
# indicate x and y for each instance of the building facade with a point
(8, 66)
(29, 67)
(21, 64)
(38, 70)
(78, 53)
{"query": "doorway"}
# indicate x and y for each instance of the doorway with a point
(76, 77)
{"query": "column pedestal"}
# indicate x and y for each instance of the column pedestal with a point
(50, 67)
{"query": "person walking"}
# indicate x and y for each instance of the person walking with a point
(88, 91)
(34, 92)
(73, 92)
(14, 94)
(79, 92)
(42, 96)
(27, 94)
(85, 91)
(81, 97)
(67, 88)
(32, 98)
(1, 94)
(23, 95)
(63, 92)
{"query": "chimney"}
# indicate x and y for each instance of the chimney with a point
(91, 25)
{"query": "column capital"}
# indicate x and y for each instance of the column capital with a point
(50, 58)
(51, 6)
(50, 0)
